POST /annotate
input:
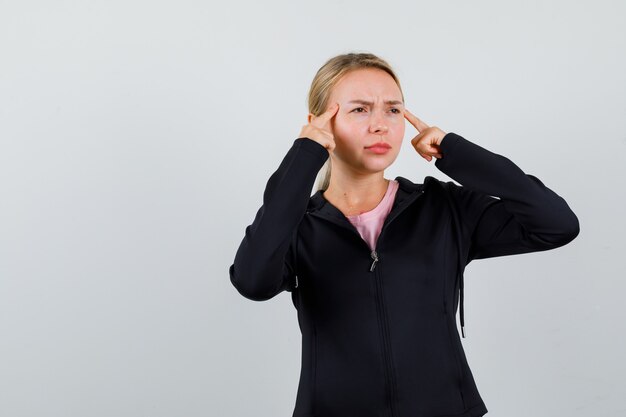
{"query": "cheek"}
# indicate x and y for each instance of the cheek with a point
(399, 124)
(398, 132)
(345, 125)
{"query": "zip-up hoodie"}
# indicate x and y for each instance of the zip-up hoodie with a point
(379, 334)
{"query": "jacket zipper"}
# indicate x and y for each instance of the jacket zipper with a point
(375, 258)
(382, 316)
(389, 375)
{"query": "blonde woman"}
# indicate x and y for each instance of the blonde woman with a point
(375, 265)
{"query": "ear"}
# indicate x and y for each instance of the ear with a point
(309, 117)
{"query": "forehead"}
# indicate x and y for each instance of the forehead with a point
(366, 83)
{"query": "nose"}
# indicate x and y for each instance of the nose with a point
(378, 125)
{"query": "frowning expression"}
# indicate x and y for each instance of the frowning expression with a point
(370, 111)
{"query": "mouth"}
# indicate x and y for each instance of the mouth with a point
(379, 148)
(379, 145)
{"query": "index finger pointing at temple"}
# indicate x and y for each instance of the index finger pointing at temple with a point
(415, 121)
(327, 115)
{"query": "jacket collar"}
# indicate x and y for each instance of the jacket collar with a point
(407, 192)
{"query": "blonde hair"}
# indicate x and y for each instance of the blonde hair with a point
(324, 81)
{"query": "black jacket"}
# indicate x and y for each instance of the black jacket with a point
(379, 335)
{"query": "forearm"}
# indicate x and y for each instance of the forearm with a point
(537, 209)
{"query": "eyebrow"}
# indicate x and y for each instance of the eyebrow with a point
(369, 103)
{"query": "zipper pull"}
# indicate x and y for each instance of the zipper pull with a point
(375, 258)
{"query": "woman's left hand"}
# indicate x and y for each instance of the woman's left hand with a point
(427, 142)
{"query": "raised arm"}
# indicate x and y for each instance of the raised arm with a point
(527, 216)
(264, 262)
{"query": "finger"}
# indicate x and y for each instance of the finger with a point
(415, 121)
(429, 155)
(327, 115)
(417, 138)
(426, 151)
(433, 152)
(434, 147)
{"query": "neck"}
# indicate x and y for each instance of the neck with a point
(356, 190)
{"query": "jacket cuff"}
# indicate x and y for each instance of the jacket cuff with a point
(311, 146)
(448, 145)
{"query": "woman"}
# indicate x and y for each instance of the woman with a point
(375, 265)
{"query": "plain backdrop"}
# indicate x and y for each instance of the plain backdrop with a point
(136, 141)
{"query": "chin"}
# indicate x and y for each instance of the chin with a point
(380, 166)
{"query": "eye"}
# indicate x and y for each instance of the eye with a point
(397, 111)
(362, 108)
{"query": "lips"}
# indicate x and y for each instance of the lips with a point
(379, 145)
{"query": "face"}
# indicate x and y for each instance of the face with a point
(370, 111)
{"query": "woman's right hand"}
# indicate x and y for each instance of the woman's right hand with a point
(319, 129)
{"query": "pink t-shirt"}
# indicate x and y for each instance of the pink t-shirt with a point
(370, 223)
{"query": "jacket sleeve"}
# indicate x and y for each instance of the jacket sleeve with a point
(265, 260)
(503, 210)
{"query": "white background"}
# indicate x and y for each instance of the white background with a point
(136, 139)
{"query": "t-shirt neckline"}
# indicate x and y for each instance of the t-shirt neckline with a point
(373, 212)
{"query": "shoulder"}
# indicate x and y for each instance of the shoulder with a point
(429, 183)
